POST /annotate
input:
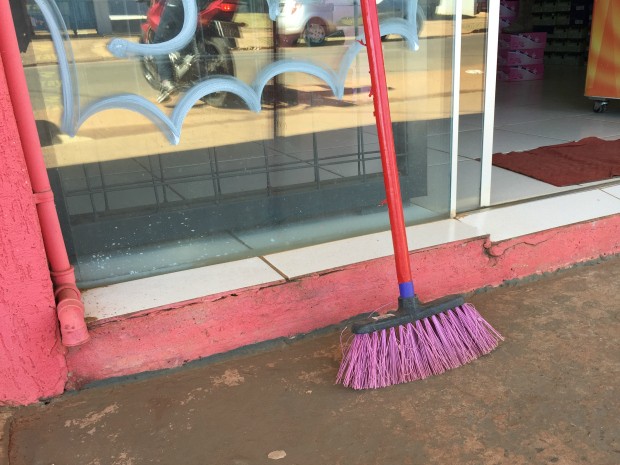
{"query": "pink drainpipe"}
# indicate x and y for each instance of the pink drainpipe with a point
(69, 306)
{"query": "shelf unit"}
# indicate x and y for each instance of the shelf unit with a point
(567, 23)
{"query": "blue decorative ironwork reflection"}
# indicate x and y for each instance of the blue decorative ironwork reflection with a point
(74, 116)
(122, 48)
(296, 66)
(274, 9)
(66, 65)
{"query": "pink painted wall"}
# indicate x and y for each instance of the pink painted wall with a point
(32, 360)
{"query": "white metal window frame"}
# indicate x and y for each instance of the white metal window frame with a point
(490, 79)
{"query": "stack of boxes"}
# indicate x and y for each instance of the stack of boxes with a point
(521, 55)
(567, 23)
(508, 11)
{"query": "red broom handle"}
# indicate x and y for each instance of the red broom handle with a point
(386, 143)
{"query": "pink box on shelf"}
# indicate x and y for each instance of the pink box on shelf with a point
(508, 9)
(521, 73)
(525, 40)
(505, 22)
(528, 56)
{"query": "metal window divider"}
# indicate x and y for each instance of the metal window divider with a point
(456, 101)
(490, 82)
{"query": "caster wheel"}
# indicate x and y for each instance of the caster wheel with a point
(600, 106)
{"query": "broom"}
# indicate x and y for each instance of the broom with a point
(417, 340)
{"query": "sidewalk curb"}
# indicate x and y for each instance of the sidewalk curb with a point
(172, 335)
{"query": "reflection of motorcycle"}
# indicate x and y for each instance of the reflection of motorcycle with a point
(208, 54)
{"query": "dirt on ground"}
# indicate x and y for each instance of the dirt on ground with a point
(547, 395)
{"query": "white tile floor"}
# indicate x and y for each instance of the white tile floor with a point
(528, 115)
(533, 114)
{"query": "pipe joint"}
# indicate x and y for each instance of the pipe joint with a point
(70, 311)
(43, 197)
(62, 278)
(69, 308)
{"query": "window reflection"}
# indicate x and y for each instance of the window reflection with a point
(305, 169)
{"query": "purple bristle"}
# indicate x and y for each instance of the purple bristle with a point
(417, 350)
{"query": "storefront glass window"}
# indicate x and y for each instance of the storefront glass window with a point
(282, 154)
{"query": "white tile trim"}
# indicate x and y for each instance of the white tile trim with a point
(613, 190)
(321, 257)
(157, 291)
(500, 223)
(539, 215)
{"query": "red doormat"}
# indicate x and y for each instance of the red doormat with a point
(589, 159)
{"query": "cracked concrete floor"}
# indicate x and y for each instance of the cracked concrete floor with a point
(548, 394)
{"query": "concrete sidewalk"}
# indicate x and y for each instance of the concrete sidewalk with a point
(548, 394)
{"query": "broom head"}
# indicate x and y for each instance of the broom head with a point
(415, 342)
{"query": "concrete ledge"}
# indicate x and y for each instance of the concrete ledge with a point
(169, 337)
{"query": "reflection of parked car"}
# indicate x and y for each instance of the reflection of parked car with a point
(315, 20)
(398, 9)
(311, 20)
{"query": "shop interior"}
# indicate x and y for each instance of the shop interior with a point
(548, 109)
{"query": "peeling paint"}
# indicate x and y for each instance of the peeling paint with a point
(229, 378)
(92, 418)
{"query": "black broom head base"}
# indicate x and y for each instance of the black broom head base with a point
(409, 310)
